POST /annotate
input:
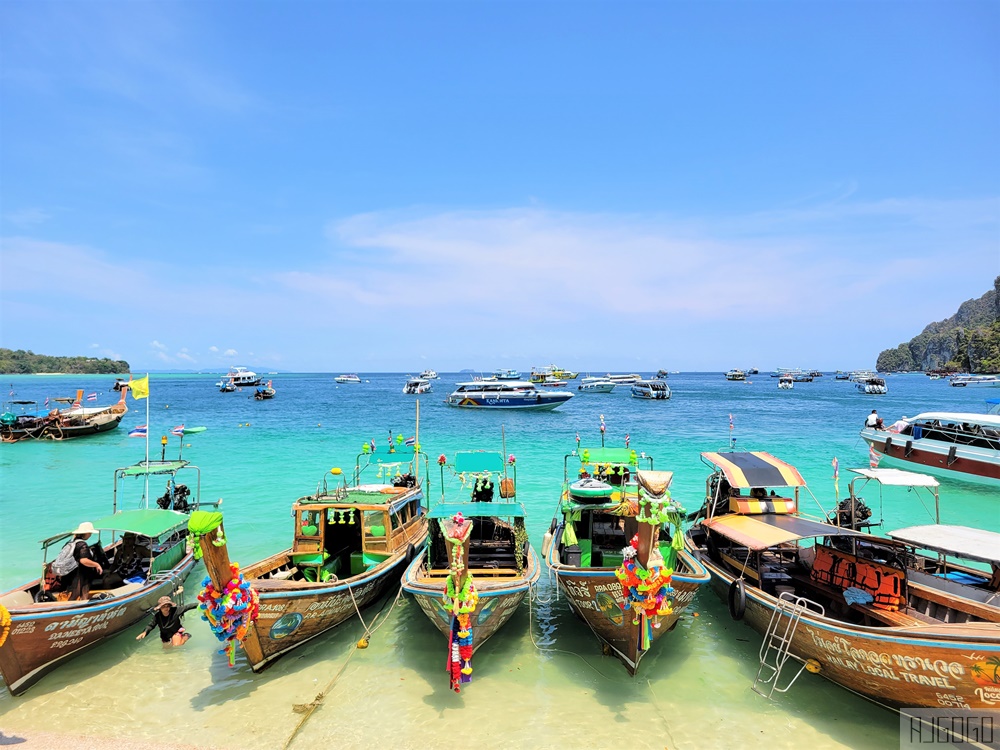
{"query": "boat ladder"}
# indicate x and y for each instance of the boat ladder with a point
(775, 651)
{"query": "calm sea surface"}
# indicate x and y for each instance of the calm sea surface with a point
(541, 681)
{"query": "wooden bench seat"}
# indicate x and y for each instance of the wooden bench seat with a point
(897, 618)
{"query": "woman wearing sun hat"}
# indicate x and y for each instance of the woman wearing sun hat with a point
(87, 568)
(168, 617)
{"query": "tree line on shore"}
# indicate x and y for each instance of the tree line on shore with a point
(21, 362)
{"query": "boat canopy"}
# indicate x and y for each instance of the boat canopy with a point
(961, 541)
(757, 469)
(606, 455)
(897, 477)
(985, 420)
(477, 462)
(152, 467)
(477, 510)
(760, 532)
(144, 522)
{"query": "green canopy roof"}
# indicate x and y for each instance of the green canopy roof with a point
(606, 455)
(152, 467)
(148, 522)
(475, 462)
(477, 510)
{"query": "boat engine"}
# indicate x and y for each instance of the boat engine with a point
(404, 480)
(851, 513)
(178, 499)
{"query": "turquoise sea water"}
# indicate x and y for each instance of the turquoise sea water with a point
(540, 682)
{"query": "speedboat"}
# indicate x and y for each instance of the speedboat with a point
(506, 375)
(736, 375)
(429, 375)
(873, 386)
(870, 614)
(954, 445)
(417, 386)
(539, 374)
(505, 394)
(655, 390)
(961, 381)
(595, 385)
(479, 564)
(616, 550)
(347, 379)
(623, 379)
(786, 382)
(241, 376)
(551, 381)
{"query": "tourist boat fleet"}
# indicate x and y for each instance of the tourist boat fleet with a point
(901, 619)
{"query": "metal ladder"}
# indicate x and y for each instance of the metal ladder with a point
(775, 650)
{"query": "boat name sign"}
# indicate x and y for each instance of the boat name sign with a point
(884, 665)
(584, 595)
(69, 632)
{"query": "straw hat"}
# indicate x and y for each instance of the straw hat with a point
(85, 528)
(163, 601)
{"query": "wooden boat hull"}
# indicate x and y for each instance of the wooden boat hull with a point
(42, 636)
(294, 612)
(53, 429)
(946, 666)
(498, 599)
(595, 596)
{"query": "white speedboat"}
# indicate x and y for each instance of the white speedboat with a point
(961, 381)
(623, 379)
(786, 382)
(872, 386)
(417, 386)
(505, 394)
(595, 385)
(955, 445)
(656, 390)
(429, 375)
(347, 379)
(736, 375)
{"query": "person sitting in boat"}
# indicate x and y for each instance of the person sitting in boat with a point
(51, 585)
(758, 493)
(874, 421)
(87, 568)
(899, 425)
(168, 618)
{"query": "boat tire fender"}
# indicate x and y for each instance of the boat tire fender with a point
(411, 552)
(737, 599)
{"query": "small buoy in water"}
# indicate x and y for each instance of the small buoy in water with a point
(319, 424)
(695, 614)
(813, 666)
(363, 643)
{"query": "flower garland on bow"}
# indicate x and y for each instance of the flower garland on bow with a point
(461, 601)
(648, 592)
(4, 624)
(231, 611)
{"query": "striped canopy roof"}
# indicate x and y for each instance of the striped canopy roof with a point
(757, 469)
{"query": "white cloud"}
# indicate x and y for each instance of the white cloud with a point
(185, 356)
(27, 217)
(230, 353)
(157, 345)
(213, 349)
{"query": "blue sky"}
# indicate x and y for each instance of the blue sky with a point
(373, 186)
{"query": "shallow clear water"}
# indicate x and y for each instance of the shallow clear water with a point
(541, 681)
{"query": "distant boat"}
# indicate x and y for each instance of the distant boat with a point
(595, 385)
(736, 375)
(417, 386)
(264, 394)
(347, 379)
(654, 390)
(872, 386)
(623, 379)
(429, 375)
(506, 374)
(786, 382)
(22, 420)
(241, 376)
(509, 394)
(961, 381)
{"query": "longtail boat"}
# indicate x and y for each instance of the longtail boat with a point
(350, 544)
(479, 563)
(616, 549)
(144, 556)
(76, 420)
(871, 614)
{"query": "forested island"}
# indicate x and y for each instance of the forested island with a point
(22, 362)
(968, 341)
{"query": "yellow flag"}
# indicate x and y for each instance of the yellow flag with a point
(140, 388)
